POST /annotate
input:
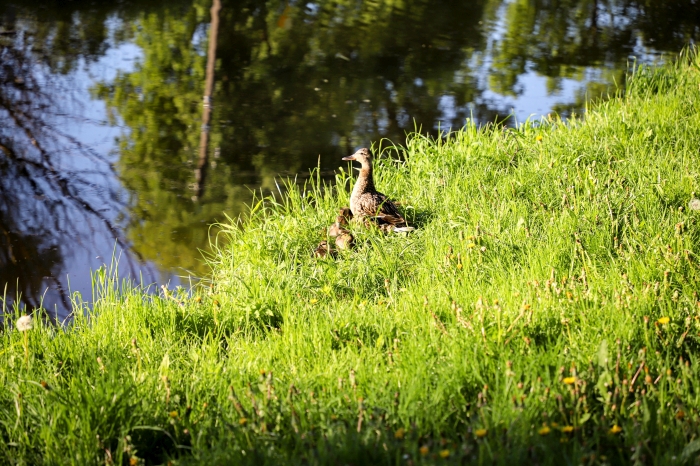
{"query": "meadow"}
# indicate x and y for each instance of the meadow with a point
(545, 311)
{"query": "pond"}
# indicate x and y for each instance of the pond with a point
(108, 153)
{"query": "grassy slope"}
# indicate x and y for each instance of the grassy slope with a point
(519, 323)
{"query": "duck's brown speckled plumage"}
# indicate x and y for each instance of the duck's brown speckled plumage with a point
(366, 201)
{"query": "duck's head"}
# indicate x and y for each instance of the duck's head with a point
(363, 156)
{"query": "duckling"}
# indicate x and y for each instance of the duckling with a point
(337, 228)
(344, 241)
(345, 213)
(324, 249)
(366, 201)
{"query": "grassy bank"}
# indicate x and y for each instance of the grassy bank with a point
(545, 311)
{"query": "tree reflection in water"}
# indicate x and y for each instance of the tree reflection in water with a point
(60, 200)
(298, 83)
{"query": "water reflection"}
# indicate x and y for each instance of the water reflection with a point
(298, 84)
(60, 201)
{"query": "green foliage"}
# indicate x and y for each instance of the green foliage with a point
(544, 311)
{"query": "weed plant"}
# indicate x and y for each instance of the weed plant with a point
(545, 311)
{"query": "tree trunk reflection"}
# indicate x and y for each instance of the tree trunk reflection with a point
(200, 172)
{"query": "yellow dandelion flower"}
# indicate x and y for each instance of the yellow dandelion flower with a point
(423, 450)
(444, 453)
(242, 421)
(569, 380)
(567, 429)
(459, 266)
(313, 301)
(615, 429)
(538, 138)
(481, 432)
(471, 245)
(663, 320)
(399, 434)
(173, 414)
(544, 430)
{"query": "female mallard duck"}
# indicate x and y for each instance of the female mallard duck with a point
(366, 201)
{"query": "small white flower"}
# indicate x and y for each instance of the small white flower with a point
(694, 204)
(24, 323)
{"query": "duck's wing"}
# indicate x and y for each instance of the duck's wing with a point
(377, 207)
(387, 207)
(395, 220)
(387, 211)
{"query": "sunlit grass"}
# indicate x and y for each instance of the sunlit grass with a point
(545, 310)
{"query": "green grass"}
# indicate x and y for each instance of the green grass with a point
(545, 311)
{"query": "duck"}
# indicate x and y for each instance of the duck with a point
(344, 241)
(324, 249)
(368, 203)
(341, 221)
(345, 213)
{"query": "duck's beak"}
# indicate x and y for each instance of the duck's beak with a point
(349, 157)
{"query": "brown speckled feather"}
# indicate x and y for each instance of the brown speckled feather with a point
(375, 204)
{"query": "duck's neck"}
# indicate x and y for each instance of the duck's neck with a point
(365, 182)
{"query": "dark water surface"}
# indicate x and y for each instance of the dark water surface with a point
(101, 108)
